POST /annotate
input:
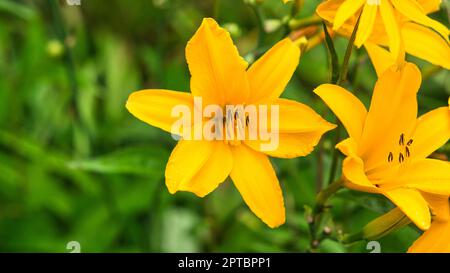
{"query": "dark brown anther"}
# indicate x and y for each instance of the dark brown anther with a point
(401, 158)
(409, 142)
(390, 157)
(224, 120)
(402, 140)
(407, 152)
(247, 120)
(236, 115)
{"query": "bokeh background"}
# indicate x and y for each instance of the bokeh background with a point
(76, 166)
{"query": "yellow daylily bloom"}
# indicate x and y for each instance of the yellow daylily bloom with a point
(388, 146)
(437, 237)
(401, 25)
(220, 77)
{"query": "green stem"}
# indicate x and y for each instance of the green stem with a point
(335, 156)
(304, 22)
(320, 209)
(348, 54)
(341, 79)
(326, 193)
(216, 9)
(260, 20)
(332, 55)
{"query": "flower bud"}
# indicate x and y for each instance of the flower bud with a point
(385, 224)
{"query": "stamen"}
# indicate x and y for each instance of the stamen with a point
(402, 140)
(407, 152)
(390, 157)
(401, 158)
(247, 120)
(409, 142)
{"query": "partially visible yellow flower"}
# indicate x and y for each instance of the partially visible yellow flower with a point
(437, 237)
(388, 145)
(381, 59)
(220, 77)
(401, 25)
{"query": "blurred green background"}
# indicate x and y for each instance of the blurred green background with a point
(76, 166)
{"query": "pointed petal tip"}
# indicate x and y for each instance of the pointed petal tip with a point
(328, 126)
(276, 224)
(209, 20)
(424, 225)
(331, 126)
(171, 190)
(322, 88)
(274, 221)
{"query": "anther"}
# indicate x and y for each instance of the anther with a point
(407, 152)
(402, 140)
(401, 158)
(390, 157)
(409, 142)
(247, 120)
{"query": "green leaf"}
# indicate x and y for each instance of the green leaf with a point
(145, 160)
(332, 55)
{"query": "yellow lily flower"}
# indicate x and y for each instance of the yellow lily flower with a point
(387, 146)
(401, 25)
(220, 77)
(437, 237)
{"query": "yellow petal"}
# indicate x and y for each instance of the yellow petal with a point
(381, 58)
(349, 109)
(270, 74)
(412, 203)
(348, 147)
(346, 10)
(432, 132)
(440, 206)
(426, 44)
(412, 10)
(198, 166)
(218, 72)
(290, 145)
(355, 177)
(366, 23)
(327, 9)
(255, 179)
(393, 111)
(391, 26)
(296, 117)
(435, 240)
(155, 106)
(428, 175)
(429, 6)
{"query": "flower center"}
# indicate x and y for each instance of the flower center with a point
(235, 124)
(402, 152)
